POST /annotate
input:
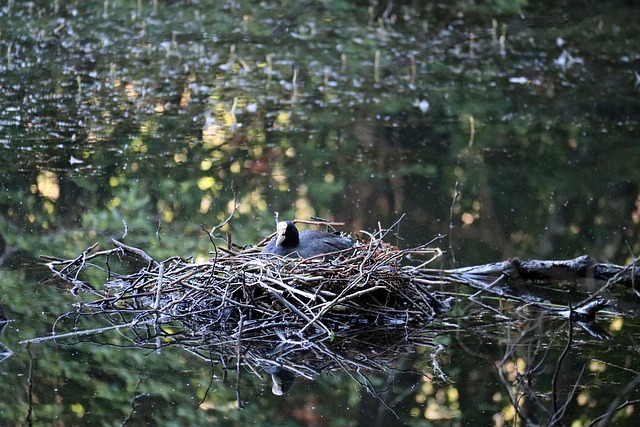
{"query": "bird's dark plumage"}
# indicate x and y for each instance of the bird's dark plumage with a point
(289, 242)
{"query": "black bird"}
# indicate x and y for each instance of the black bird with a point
(289, 242)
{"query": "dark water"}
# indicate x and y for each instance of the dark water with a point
(511, 128)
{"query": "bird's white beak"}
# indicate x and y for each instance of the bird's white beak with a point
(281, 229)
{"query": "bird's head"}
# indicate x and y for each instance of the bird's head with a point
(286, 233)
(281, 232)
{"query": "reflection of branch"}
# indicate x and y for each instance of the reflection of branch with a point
(95, 331)
(508, 353)
(211, 376)
(372, 391)
(456, 196)
(559, 413)
(537, 407)
(30, 386)
(616, 406)
(556, 418)
(133, 403)
(634, 261)
(554, 381)
(437, 370)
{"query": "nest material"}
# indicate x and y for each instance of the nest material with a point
(264, 309)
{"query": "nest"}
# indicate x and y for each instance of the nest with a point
(258, 310)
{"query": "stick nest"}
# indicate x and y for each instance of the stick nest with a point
(260, 308)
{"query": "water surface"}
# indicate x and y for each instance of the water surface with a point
(509, 128)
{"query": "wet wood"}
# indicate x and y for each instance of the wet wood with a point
(573, 269)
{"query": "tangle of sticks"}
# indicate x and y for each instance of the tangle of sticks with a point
(269, 311)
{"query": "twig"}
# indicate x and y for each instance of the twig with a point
(239, 361)
(223, 223)
(29, 417)
(456, 195)
(615, 405)
(554, 396)
(139, 252)
(86, 332)
(135, 396)
(211, 377)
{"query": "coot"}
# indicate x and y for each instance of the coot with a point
(289, 242)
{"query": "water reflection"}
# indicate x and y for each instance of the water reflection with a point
(511, 128)
(516, 362)
(290, 319)
(5, 352)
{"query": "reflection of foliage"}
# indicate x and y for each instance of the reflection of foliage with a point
(302, 317)
(540, 390)
(297, 109)
(149, 113)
